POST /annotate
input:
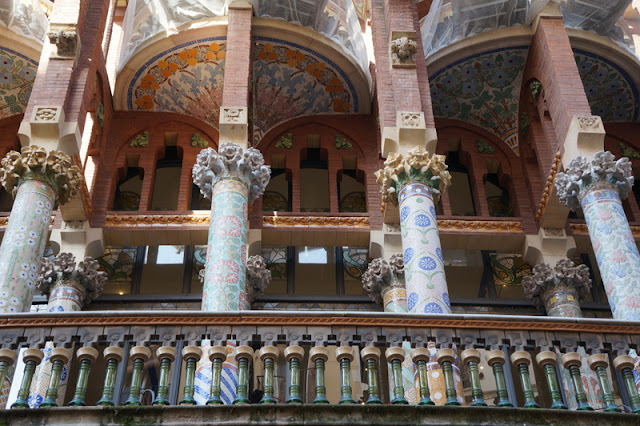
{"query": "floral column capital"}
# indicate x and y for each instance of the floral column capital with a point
(566, 276)
(418, 166)
(54, 168)
(603, 169)
(258, 276)
(382, 276)
(62, 270)
(231, 161)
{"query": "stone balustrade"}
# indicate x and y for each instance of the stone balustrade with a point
(135, 359)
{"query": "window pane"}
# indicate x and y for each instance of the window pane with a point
(165, 188)
(276, 260)
(497, 198)
(508, 270)
(199, 260)
(354, 262)
(314, 191)
(128, 191)
(464, 270)
(352, 194)
(163, 270)
(276, 196)
(118, 263)
(315, 271)
(460, 198)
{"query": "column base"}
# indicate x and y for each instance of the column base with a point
(612, 409)
(532, 405)
(215, 401)
(399, 400)
(20, 404)
(426, 401)
(452, 402)
(294, 400)
(48, 402)
(133, 402)
(76, 403)
(160, 401)
(373, 400)
(478, 403)
(269, 400)
(240, 401)
(321, 400)
(188, 401)
(504, 404)
(583, 406)
(105, 403)
(558, 406)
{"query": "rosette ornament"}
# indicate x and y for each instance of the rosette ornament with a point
(558, 290)
(70, 285)
(384, 283)
(581, 175)
(231, 162)
(54, 168)
(418, 166)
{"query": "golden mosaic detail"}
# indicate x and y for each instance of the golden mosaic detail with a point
(480, 225)
(315, 221)
(548, 187)
(155, 219)
(581, 229)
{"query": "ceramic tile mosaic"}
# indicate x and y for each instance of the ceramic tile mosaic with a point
(186, 79)
(17, 73)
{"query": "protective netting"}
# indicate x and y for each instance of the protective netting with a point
(24, 17)
(452, 20)
(336, 19)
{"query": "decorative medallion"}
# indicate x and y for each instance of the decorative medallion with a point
(17, 73)
(285, 141)
(197, 141)
(185, 79)
(343, 143)
(483, 90)
(610, 90)
(483, 147)
(291, 80)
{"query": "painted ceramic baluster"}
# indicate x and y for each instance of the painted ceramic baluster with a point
(471, 357)
(319, 355)
(191, 355)
(31, 358)
(113, 356)
(87, 356)
(547, 360)
(293, 354)
(572, 362)
(599, 363)
(217, 355)
(243, 355)
(139, 355)
(166, 355)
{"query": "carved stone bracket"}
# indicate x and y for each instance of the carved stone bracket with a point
(231, 162)
(381, 275)
(63, 268)
(582, 174)
(258, 277)
(54, 168)
(418, 166)
(403, 49)
(65, 37)
(565, 275)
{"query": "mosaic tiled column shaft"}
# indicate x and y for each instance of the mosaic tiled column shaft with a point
(597, 186)
(38, 180)
(559, 290)
(231, 178)
(415, 183)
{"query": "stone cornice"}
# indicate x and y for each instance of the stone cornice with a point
(510, 226)
(306, 318)
(137, 220)
(315, 221)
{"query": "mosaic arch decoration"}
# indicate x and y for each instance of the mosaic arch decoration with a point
(290, 80)
(611, 92)
(17, 73)
(185, 79)
(484, 90)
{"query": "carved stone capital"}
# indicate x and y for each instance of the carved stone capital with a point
(565, 275)
(54, 168)
(65, 37)
(582, 174)
(231, 161)
(418, 166)
(403, 49)
(382, 275)
(63, 269)
(258, 276)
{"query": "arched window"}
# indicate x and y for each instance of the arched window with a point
(497, 197)
(277, 196)
(314, 180)
(166, 185)
(351, 191)
(461, 199)
(128, 190)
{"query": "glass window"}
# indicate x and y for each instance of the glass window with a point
(314, 180)
(497, 197)
(315, 271)
(276, 260)
(508, 271)
(128, 190)
(461, 199)
(354, 264)
(118, 263)
(199, 259)
(162, 270)
(277, 196)
(166, 185)
(464, 270)
(351, 191)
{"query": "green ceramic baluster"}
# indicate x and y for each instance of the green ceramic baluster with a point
(191, 355)
(370, 356)
(624, 364)
(344, 355)
(599, 363)
(420, 357)
(547, 360)
(522, 359)
(113, 355)
(572, 362)
(217, 355)
(293, 354)
(87, 356)
(319, 355)
(471, 357)
(166, 355)
(396, 356)
(496, 360)
(268, 354)
(31, 358)
(139, 355)
(243, 355)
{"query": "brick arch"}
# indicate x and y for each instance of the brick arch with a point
(9, 134)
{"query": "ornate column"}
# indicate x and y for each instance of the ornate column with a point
(559, 290)
(38, 181)
(416, 183)
(231, 179)
(384, 282)
(68, 286)
(597, 186)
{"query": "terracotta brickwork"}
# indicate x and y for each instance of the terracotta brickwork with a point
(238, 61)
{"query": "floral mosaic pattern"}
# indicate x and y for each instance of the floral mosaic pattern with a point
(226, 276)
(186, 79)
(23, 245)
(483, 90)
(17, 73)
(615, 250)
(423, 262)
(610, 90)
(291, 80)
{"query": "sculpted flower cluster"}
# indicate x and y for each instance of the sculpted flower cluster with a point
(546, 279)
(63, 268)
(581, 173)
(34, 163)
(381, 275)
(418, 166)
(231, 161)
(258, 276)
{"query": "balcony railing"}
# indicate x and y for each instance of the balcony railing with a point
(198, 358)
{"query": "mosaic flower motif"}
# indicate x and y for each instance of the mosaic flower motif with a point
(294, 57)
(445, 297)
(6, 62)
(439, 254)
(6, 78)
(404, 213)
(433, 308)
(408, 255)
(412, 300)
(427, 263)
(422, 220)
(267, 52)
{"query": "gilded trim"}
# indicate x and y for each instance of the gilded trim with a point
(548, 187)
(582, 229)
(315, 221)
(120, 220)
(480, 226)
